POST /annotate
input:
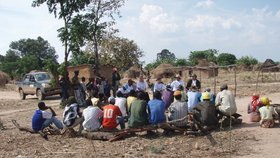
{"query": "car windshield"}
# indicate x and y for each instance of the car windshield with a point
(42, 77)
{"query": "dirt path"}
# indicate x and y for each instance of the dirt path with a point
(268, 142)
(262, 142)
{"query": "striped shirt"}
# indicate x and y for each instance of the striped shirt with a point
(178, 110)
(92, 115)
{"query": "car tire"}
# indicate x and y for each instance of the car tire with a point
(40, 95)
(22, 95)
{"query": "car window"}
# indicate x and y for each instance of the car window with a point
(26, 78)
(32, 79)
(42, 76)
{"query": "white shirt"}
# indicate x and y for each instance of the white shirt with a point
(159, 87)
(227, 101)
(91, 115)
(121, 103)
(266, 113)
(46, 114)
(142, 85)
(175, 84)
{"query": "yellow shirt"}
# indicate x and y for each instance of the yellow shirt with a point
(130, 99)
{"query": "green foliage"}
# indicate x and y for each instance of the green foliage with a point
(182, 62)
(52, 67)
(225, 59)
(165, 54)
(120, 52)
(209, 54)
(26, 55)
(247, 61)
(81, 58)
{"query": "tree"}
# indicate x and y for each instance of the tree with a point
(225, 59)
(26, 55)
(65, 10)
(182, 62)
(165, 54)
(99, 21)
(247, 61)
(209, 54)
(81, 58)
(120, 52)
(38, 48)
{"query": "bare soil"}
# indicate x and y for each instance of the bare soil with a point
(245, 140)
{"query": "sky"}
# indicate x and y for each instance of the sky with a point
(240, 27)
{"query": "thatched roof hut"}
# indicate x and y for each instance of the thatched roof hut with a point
(4, 78)
(87, 71)
(206, 69)
(269, 65)
(133, 72)
(164, 71)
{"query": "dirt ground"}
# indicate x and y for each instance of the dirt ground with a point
(245, 140)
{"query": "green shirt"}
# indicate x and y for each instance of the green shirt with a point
(138, 114)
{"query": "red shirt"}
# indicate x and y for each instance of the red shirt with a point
(110, 113)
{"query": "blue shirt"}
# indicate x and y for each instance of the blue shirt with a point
(156, 111)
(37, 120)
(193, 100)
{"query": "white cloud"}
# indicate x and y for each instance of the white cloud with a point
(278, 14)
(157, 19)
(205, 4)
(205, 22)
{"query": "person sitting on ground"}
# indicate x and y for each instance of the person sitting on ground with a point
(142, 85)
(112, 116)
(159, 85)
(138, 112)
(266, 112)
(205, 112)
(225, 102)
(212, 96)
(253, 108)
(72, 115)
(92, 117)
(184, 95)
(193, 98)
(175, 84)
(178, 110)
(121, 102)
(156, 108)
(131, 97)
(194, 81)
(167, 96)
(43, 118)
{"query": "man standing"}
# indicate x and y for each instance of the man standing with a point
(178, 110)
(194, 82)
(78, 89)
(158, 86)
(112, 116)
(225, 101)
(156, 109)
(141, 84)
(115, 81)
(175, 84)
(193, 98)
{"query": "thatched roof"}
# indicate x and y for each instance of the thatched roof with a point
(4, 78)
(268, 63)
(133, 72)
(163, 70)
